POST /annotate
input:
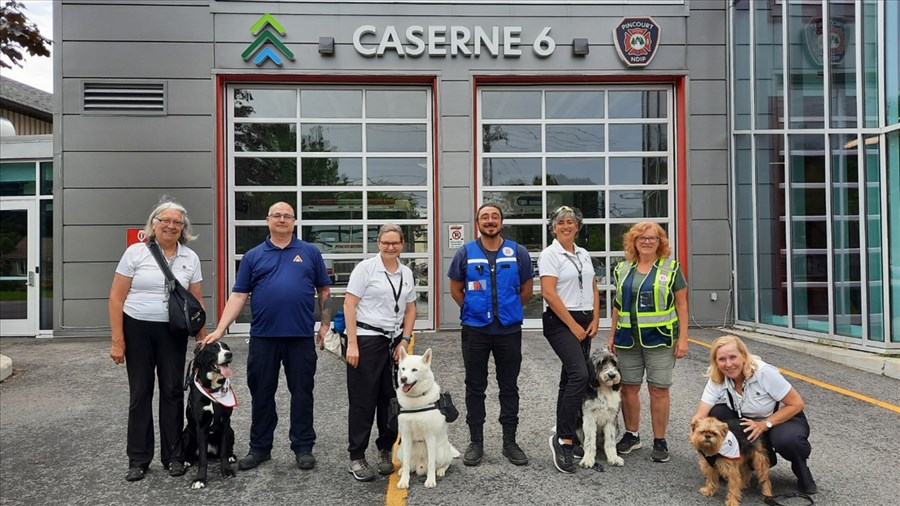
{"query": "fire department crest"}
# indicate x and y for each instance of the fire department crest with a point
(636, 40)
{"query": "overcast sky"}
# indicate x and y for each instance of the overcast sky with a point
(36, 71)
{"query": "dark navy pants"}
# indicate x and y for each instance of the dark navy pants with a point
(264, 360)
(370, 388)
(476, 350)
(573, 378)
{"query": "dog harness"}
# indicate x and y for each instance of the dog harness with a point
(224, 396)
(731, 450)
(444, 404)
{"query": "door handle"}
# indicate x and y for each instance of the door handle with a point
(30, 278)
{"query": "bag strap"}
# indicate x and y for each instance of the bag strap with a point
(163, 265)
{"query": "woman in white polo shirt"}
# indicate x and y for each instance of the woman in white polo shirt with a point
(570, 322)
(139, 322)
(380, 310)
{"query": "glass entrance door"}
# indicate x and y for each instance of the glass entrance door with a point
(18, 268)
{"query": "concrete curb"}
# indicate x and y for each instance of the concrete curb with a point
(5, 367)
(868, 362)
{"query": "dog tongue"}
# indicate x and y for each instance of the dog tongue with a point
(406, 388)
(225, 370)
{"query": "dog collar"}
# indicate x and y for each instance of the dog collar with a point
(224, 396)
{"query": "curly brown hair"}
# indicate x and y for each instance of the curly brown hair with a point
(663, 250)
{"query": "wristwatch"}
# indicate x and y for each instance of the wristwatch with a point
(406, 338)
(768, 423)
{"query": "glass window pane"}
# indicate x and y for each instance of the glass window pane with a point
(336, 239)
(518, 204)
(574, 138)
(17, 179)
(742, 83)
(511, 104)
(511, 138)
(634, 171)
(266, 103)
(805, 86)
(592, 237)
(893, 183)
(845, 228)
(574, 104)
(638, 203)
(397, 171)
(46, 178)
(638, 137)
(746, 272)
(396, 104)
(331, 172)
(46, 263)
(248, 237)
(869, 65)
(277, 137)
(877, 320)
(892, 81)
(576, 171)
(396, 137)
(415, 238)
(769, 66)
(843, 64)
(331, 103)
(331, 137)
(526, 235)
(265, 171)
(331, 206)
(772, 245)
(386, 206)
(637, 104)
(511, 171)
(591, 203)
(255, 205)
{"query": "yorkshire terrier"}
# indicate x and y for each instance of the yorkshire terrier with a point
(726, 452)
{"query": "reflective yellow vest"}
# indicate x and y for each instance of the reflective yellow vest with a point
(655, 324)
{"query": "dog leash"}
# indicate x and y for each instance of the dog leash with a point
(771, 500)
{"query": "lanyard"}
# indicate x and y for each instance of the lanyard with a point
(395, 292)
(578, 267)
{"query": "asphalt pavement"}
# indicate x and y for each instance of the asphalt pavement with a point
(63, 424)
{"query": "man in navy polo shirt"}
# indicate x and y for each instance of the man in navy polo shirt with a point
(283, 274)
(491, 279)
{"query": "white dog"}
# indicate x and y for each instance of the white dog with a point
(600, 407)
(423, 429)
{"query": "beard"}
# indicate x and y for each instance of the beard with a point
(490, 233)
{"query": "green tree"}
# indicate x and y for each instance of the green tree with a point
(19, 34)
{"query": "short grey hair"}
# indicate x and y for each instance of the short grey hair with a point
(390, 227)
(166, 202)
(565, 212)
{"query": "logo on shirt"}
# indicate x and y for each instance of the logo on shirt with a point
(507, 251)
(298, 258)
(663, 278)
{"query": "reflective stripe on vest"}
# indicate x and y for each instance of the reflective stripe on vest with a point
(666, 270)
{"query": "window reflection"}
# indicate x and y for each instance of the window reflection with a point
(512, 171)
(272, 137)
(511, 138)
(330, 137)
(265, 171)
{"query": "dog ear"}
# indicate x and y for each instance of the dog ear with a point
(592, 375)
(694, 423)
(426, 358)
(403, 353)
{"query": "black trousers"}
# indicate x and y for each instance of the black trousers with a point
(789, 439)
(150, 348)
(573, 378)
(370, 388)
(476, 349)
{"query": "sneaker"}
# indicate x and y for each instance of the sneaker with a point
(660, 451)
(252, 460)
(474, 454)
(563, 455)
(386, 463)
(578, 452)
(627, 443)
(305, 461)
(360, 470)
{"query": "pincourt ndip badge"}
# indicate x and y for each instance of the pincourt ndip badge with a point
(636, 40)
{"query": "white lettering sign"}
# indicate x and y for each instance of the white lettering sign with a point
(440, 40)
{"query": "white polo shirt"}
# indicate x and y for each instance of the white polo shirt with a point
(370, 282)
(147, 298)
(554, 262)
(761, 392)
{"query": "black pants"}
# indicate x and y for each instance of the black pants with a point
(573, 378)
(150, 348)
(370, 388)
(789, 439)
(507, 349)
(264, 361)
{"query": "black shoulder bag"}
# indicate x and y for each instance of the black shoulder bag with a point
(186, 315)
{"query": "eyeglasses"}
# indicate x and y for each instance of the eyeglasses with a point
(390, 244)
(167, 222)
(279, 216)
(647, 239)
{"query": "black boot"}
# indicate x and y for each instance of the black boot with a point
(475, 451)
(805, 482)
(511, 450)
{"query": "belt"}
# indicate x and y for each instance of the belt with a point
(373, 328)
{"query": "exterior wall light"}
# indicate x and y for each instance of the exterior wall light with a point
(326, 45)
(580, 47)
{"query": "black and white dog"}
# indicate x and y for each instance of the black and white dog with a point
(600, 407)
(211, 399)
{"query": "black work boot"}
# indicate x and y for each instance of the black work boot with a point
(805, 482)
(511, 450)
(475, 451)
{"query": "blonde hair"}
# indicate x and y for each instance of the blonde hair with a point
(750, 361)
(663, 250)
(166, 202)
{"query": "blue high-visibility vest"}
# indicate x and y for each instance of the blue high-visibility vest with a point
(485, 285)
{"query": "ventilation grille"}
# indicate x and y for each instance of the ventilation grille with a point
(124, 98)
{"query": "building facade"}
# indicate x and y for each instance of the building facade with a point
(415, 112)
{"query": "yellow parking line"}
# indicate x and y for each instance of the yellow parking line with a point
(828, 386)
(395, 496)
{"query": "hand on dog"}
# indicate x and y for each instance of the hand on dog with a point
(753, 428)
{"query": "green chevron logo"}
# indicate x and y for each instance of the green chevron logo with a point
(259, 46)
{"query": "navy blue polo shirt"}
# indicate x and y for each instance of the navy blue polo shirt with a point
(282, 284)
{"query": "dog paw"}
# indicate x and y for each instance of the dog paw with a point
(708, 491)
(403, 483)
(443, 470)
(616, 461)
(228, 473)
(587, 462)
(430, 483)
(198, 484)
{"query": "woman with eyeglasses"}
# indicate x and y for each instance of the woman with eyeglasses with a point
(379, 311)
(139, 322)
(569, 288)
(649, 331)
